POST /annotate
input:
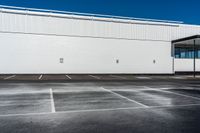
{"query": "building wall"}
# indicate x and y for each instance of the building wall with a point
(34, 43)
(185, 65)
(25, 53)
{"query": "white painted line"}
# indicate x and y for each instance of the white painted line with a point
(96, 77)
(115, 76)
(99, 110)
(179, 77)
(40, 77)
(131, 100)
(53, 110)
(131, 90)
(9, 77)
(148, 88)
(68, 76)
(128, 108)
(162, 90)
(143, 78)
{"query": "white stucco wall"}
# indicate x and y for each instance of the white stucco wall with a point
(185, 65)
(25, 53)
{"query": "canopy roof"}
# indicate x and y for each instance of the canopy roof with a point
(188, 40)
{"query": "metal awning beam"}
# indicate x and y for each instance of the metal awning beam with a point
(190, 38)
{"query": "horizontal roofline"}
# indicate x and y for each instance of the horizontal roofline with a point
(88, 14)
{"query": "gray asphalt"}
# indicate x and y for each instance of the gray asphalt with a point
(100, 107)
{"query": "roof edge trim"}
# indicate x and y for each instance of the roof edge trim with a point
(89, 15)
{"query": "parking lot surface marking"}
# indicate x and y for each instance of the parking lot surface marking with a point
(99, 110)
(120, 77)
(9, 77)
(156, 97)
(143, 77)
(21, 101)
(53, 110)
(68, 76)
(164, 90)
(96, 77)
(176, 77)
(84, 98)
(125, 97)
(40, 77)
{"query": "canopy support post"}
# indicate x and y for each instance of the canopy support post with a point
(194, 63)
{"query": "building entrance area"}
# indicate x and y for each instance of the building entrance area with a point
(186, 53)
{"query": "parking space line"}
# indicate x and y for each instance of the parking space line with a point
(53, 110)
(96, 77)
(176, 77)
(131, 100)
(99, 110)
(165, 90)
(143, 78)
(162, 90)
(68, 76)
(9, 77)
(40, 77)
(115, 76)
(149, 88)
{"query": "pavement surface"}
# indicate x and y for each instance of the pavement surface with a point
(91, 77)
(100, 107)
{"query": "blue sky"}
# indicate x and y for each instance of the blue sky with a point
(178, 10)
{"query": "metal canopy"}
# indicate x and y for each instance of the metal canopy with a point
(191, 42)
(187, 40)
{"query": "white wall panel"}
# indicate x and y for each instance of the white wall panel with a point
(6, 26)
(81, 55)
(100, 29)
(114, 30)
(1, 21)
(70, 26)
(138, 31)
(125, 30)
(185, 65)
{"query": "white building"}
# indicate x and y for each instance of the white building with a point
(40, 41)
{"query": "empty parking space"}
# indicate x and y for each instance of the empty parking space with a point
(54, 77)
(111, 77)
(118, 76)
(94, 76)
(89, 100)
(23, 102)
(188, 92)
(156, 97)
(26, 77)
(82, 77)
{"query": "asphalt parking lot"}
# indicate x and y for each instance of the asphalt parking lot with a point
(96, 107)
(90, 77)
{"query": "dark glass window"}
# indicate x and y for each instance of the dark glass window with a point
(186, 53)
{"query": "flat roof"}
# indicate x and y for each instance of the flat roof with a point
(55, 12)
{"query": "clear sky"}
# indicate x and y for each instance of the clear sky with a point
(178, 10)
